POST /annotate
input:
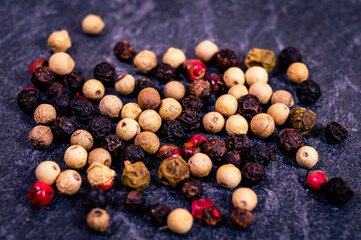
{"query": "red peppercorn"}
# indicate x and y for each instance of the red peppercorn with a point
(195, 140)
(106, 187)
(189, 151)
(41, 194)
(40, 62)
(315, 179)
(79, 96)
(30, 88)
(216, 82)
(198, 207)
(211, 216)
(194, 69)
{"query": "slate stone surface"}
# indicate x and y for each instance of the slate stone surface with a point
(328, 35)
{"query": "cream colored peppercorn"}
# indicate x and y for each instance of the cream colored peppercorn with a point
(226, 105)
(110, 106)
(205, 50)
(61, 63)
(59, 41)
(180, 221)
(279, 112)
(307, 156)
(127, 129)
(93, 89)
(282, 96)
(98, 220)
(174, 89)
(92, 24)
(262, 91)
(148, 141)
(297, 72)
(41, 136)
(233, 76)
(213, 122)
(76, 157)
(125, 84)
(145, 61)
(100, 155)
(256, 74)
(238, 91)
(169, 109)
(262, 125)
(68, 182)
(174, 57)
(44, 114)
(236, 124)
(228, 176)
(47, 172)
(148, 98)
(99, 174)
(244, 198)
(131, 110)
(200, 165)
(149, 120)
(82, 138)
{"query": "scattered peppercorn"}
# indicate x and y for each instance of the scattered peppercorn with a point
(74, 81)
(127, 129)
(302, 119)
(248, 106)
(252, 174)
(307, 157)
(157, 214)
(92, 24)
(316, 179)
(279, 112)
(174, 57)
(135, 175)
(217, 83)
(28, 100)
(172, 130)
(124, 51)
(241, 218)
(215, 149)
(61, 63)
(199, 88)
(55, 89)
(191, 190)
(226, 105)
(100, 175)
(149, 98)
(198, 206)
(94, 198)
(62, 128)
(205, 50)
(180, 221)
(125, 84)
(282, 96)
(148, 141)
(262, 125)
(134, 202)
(165, 72)
(211, 216)
(236, 124)
(47, 172)
(41, 194)
(145, 61)
(233, 76)
(335, 133)
(194, 69)
(113, 144)
(297, 72)
(99, 127)
(61, 104)
(100, 155)
(93, 89)
(192, 103)
(244, 198)
(260, 154)
(173, 171)
(143, 83)
(195, 140)
(169, 109)
(200, 165)
(308, 92)
(289, 140)
(261, 57)
(262, 91)
(82, 138)
(98, 220)
(83, 110)
(105, 72)
(239, 143)
(228, 176)
(233, 158)
(44, 114)
(225, 59)
(68, 182)
(131, 110)
(75, 157)
(288, 56)
(42, 77)
(213, 122)
(256, 74)
(166, 151)
(190, 151)
(337, 191)
(40, 62)
(110, 106)
(132, 153)
(174, 89)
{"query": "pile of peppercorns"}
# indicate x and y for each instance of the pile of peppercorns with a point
(72, 102)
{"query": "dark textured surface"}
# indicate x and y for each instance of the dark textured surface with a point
(329, 37)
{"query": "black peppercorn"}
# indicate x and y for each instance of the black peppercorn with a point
(260, 154)
(249, 106)
(288, 56)
(241, 218)
(42, 77)
(63, 128)
(289, 140)
(55, 89)
(132, 153)
(134, 201)
(94, 198)
(61, 104)
(124, 51)
(335, 133)
(99, 127)
(225, 59)
(192, 103)
(143, 83)
(173, 131)
(337, 191)
(157, 214)
(28, 100)
(216, 81)
(191, 190)
(215, 149)
(83, 110)
(239, 143)
(113, 144)
(308, 92)
(234, 158)
(190, 120)
(164, 72)
(74, 81)
(252, 174)
(199, 88)
(105, 72)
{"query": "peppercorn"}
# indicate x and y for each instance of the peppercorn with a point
(238, 91)
(302, 119)
(105, 72)
(189, 151)
(297, 72)
(199, 88)
(75, 157)
(93, 90)
(192, 103)
(94, 198)
(132, 153)
(190, 120)
(145, 61)
(61, 63)
(288, 56)
(205, 50)
(233, 158)
(215, 149)
(125, 84)
(289, 140)
(74, 81)
(241, 218)
(83, 110)
(228, 176)
(143, 83)
(165, 72)
(262, 125)
(157, 214)
(262, 91)
(200, 165)
(98, 220)
(124, 51)
(337, 191)
(172, 130)
(110, 106)
(213, 122)
(61, 104)
(226, 105)
(40, 194)
(225, 59)
(279, 112)
(55, 89)
(233, 76)
(127, 129)
(261, 57)
(256, 74)
(113, 144)
(248, 106)
(236, 124)
(42, 77)
(180, 221)
(40, 62)
(169, 109)
(307, 156)
(282, 96)
(244, 198)
(239, 143)
(28, 100)
(100, 175)
(68, 182)
(260, 154)
(44, 114)
(92, 24)
(308, 92)
(191, 190)
(174, 89)
(172, 171)
(100, 155)
(195, 139)
(252, 174)
(131, 110)
(134, 202)
(63, 128)
(194, 69)
(174, 57)
(335, 133)
(148, 141)
(82, 138)
(316, 179)
(135, 175)
(211, 216)
(167, 150)
(47, 172)
(216, 81)
(148, 98)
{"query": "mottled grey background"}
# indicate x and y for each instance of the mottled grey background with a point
(327, 33)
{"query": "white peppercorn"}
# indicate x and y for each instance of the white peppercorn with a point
(100, 155)
(174, 57)
(174, 89)
(145, 61)
(238, 91)
(279, 112)
(200, 165)
(61, 63)
(41, 136)
(282, 96)
(127, 129)
(227, 105)
(236, 124)
(82, 138)
(180, 221)
(93, 89)
(262, 125)
(59, 41)
(98, 219)
(245, 199)
(149, 120)
(68, 182)
(99, 174)
(228, 176)
(297, 72)
(47, 172)
(307, 157)
(110, 106)
(213, 122)
(256, 74)
(125, 84)
(148, 141)
(44, 114)
(76, 157)
(169, 109)
(233, 76)
(131, 110)
(205, 50)
(262, 91)
(92, 24)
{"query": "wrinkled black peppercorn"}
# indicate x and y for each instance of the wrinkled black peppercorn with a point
(61, 104)
(63, 128)
(144, 83)
(74, 81)
(190, 120)
(132, 153)
(249, 106)
(216, 81)
(42, 77)
(124, 51)
(105, 72)
(164, 72)
(55, 89)
(28, 100)
(252, 174)
(308, 92)
(289, 140)
(335, 133)
(225, 59)
(113, 144)
(215, 149)
(199, 88)
(192, 103)
(191, 190)
(260, 154)
(173, 131)
(94, 198)
(134, 201)
(83, 110)
(337, 191)
(288, 56)
(99, 127)
(234, 158)
(157, 214)
(239, 143)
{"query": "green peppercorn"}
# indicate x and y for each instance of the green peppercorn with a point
(135, 175)
(261, 57)
(302, 119)
(172, 171)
